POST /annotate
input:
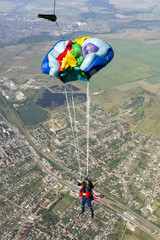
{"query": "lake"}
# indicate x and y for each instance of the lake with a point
(68, 88)
(50, 99)
(33, 115)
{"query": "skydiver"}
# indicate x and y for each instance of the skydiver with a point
(87, 195)
(90, 187)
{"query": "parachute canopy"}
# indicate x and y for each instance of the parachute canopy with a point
(77, 59)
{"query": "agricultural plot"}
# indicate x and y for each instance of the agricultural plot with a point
(150, 122)
(141, 52)
(153, 80)
(133, 61)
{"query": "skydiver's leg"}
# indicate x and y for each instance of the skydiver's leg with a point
(90, 206)
(83, 203)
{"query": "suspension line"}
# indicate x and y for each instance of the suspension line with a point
(70, 117)
(76, 131)
(88, 118)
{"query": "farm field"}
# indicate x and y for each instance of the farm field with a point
(133, 61)
(128, 237)
(150, 122)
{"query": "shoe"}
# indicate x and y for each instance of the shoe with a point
(102, 196)
(92, 216)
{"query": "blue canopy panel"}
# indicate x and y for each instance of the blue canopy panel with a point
(45, 64)
(99, 63)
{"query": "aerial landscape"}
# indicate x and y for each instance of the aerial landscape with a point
(48, 140)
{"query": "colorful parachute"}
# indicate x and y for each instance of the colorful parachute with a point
(78, 59)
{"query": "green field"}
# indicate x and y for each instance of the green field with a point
(141, 52)
(63, 203)
(33, 115)
(153, 80)
(133, 61)
(138, 234)
(130, 237)
(149, 123)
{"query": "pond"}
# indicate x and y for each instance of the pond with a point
(33, 115)
(51, 100)
(68, 87)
